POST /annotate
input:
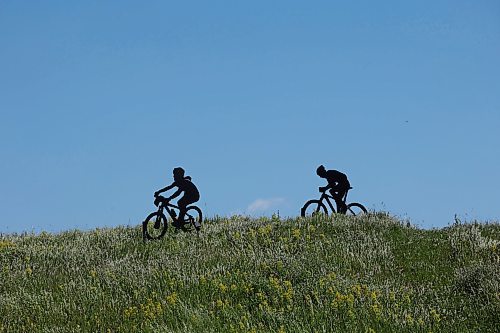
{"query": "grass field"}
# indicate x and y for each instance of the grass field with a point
(370, 274)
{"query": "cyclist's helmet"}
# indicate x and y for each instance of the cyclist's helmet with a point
(320, 170)
(179, 172)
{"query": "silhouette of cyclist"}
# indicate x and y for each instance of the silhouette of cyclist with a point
(338, 185)
(184, 184)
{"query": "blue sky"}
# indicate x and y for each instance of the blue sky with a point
(99, 101)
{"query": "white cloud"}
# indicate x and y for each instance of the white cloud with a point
(260, 205)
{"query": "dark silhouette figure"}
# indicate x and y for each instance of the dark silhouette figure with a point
(337, 184)
(183, 184)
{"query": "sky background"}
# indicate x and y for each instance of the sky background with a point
(100, 100)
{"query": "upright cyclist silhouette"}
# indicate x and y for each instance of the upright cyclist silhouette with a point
(184, 184)
(338, 185)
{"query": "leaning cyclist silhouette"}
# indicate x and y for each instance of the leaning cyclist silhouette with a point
(337, 184)
(184, 184)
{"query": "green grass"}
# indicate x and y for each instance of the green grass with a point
(371, 274)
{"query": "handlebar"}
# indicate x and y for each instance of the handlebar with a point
(159, 199)
(166, 203)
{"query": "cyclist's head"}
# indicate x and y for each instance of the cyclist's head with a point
(321, 171)
(178, 173)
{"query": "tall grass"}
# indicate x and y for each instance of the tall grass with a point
(370, 274)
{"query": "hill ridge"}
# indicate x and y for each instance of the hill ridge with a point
(366, 274)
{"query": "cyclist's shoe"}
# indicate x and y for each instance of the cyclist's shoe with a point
(343, 209)
(176, 224)
(157, 224)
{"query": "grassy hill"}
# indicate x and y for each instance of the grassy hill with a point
(371, 274)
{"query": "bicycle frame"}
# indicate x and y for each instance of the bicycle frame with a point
(318, 205)
(159, 217)
(165, 205)
(327, 197)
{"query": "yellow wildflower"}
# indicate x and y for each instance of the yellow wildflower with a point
(6, 244)
(219, 303)
(377, 310)
(222, 287)
(435, 315)
(172, 298)
(357, 289)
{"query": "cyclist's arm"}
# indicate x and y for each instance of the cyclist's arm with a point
(175, 195)
(169, 187)
(325, 188)
(328, 187)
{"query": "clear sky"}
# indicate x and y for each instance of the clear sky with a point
(100, 100)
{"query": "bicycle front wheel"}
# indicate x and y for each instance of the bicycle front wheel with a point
(193, 218)
(312, 208)
(356, 209)
(155, 226)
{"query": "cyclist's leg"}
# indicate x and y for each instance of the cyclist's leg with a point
(338, 195)
(194, 197)
(177, 222)
(183, 203)
(343, 206)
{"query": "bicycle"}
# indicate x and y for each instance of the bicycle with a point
(313, 207)
(155, 225)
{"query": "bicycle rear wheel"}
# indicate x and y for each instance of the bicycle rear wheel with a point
(155, 226)
(193, 218)
(356, 209)
(312, 208)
